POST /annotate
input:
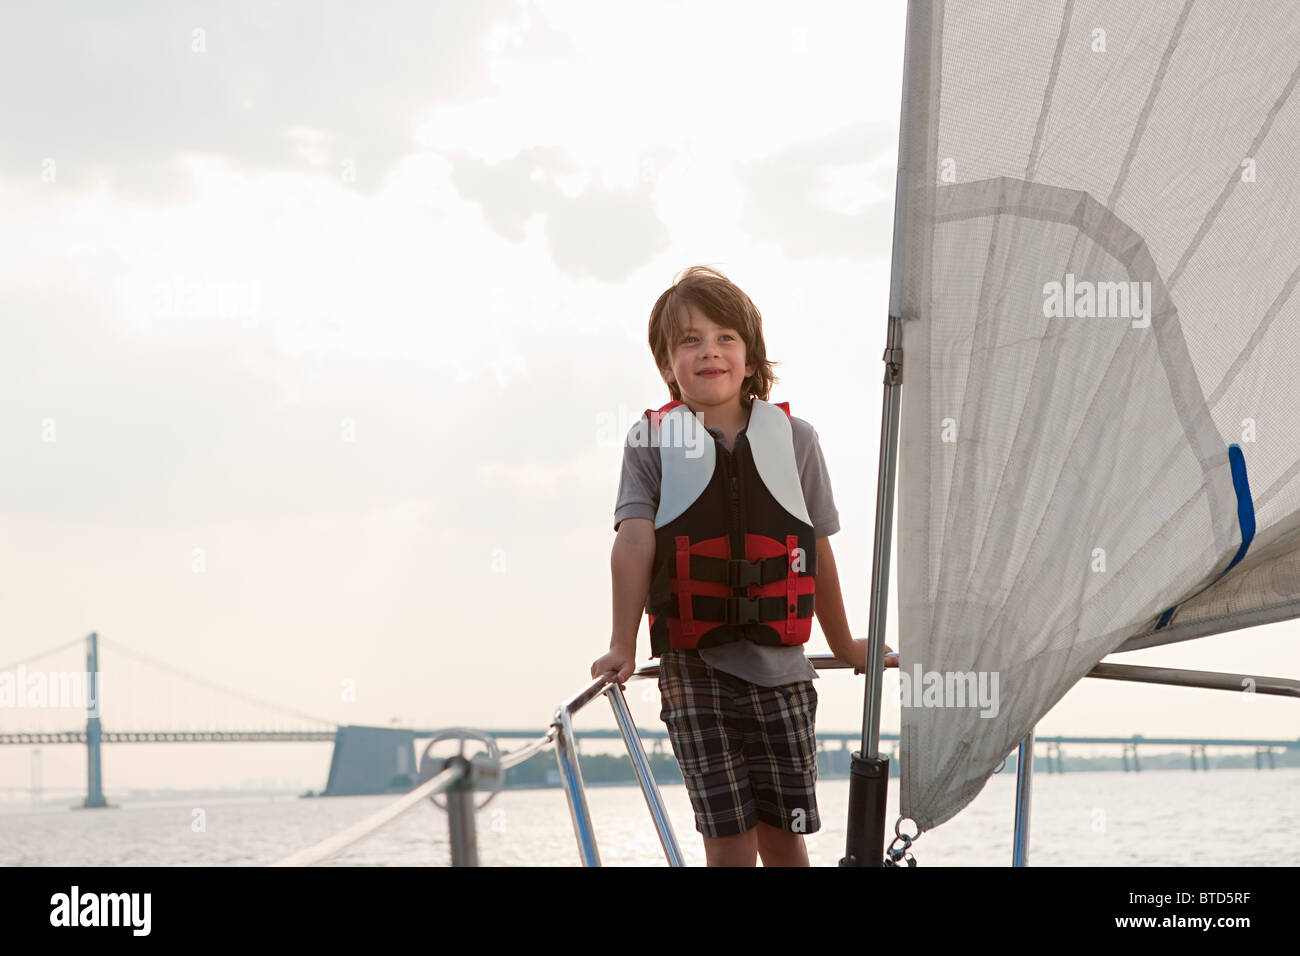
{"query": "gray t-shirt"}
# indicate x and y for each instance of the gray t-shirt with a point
(638, 497)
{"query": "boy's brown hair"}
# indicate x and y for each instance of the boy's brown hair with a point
(722, 301)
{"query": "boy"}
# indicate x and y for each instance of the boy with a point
(723, 518)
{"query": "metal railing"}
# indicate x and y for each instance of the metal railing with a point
(566, 754)
(460, 777)
(571, 775)
(1206, 680)
(326, 848)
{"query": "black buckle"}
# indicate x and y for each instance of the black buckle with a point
(742, 573)
(742, 610)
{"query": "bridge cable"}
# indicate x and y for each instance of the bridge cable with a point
(52, 650)
(246, 698)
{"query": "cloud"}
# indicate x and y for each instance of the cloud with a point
(605, 233)
(99, 426)
(532, 39)
(830, 197)
(121, 93)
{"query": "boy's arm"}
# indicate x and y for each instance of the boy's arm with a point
(630, 563)
(829, 605)
(829, 610)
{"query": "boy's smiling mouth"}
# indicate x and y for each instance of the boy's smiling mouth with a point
(711, 372)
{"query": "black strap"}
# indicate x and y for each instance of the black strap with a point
(661, 601)
(660, 595)
(739, 573)
(746, 610)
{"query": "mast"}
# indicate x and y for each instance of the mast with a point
(869, 771)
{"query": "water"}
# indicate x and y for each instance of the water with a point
(1167, 818)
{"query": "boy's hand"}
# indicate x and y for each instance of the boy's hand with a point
(857, 656)
(617, 660)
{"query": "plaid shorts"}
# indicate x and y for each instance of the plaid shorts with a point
(747, 753)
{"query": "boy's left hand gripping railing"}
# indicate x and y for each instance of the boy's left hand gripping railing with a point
(459, 776)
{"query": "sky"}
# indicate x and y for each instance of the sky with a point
(322, 331)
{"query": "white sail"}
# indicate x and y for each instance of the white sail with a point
(1098, 244)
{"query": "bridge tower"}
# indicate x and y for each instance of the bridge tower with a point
(94, 789)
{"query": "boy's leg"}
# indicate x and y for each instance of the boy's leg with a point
(780, 847)
(738, 850)
(781, 759)
(699, 712)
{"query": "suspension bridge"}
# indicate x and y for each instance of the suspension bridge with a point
(371, 760)
(365, 759)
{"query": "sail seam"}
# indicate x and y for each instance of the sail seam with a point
(1233, 179)
(1157, 82)
(1066, 18)
(1256, 337)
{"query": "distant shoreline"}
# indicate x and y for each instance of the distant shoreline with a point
(607, 770)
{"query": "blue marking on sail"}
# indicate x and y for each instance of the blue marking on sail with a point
(1245, 520)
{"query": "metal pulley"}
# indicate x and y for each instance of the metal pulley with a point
(484, 770)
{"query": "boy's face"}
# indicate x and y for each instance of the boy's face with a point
(708, 364)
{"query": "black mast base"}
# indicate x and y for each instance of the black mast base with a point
(868, 788)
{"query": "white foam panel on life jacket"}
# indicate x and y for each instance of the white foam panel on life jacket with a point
(771, 438)
(680, 435)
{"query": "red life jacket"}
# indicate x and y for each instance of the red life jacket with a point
(735, 557)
